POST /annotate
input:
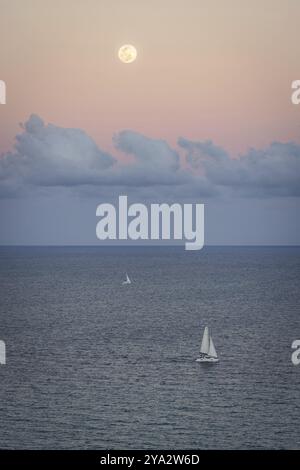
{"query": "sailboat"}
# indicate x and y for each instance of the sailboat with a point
(208, 351)
(128, 281)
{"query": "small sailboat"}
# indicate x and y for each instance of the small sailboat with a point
(208, 351)
(128, 281)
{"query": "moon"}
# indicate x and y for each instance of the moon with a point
(127, 53)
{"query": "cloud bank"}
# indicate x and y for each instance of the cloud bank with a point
(273, 171)
(48, 156)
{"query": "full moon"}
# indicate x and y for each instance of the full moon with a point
(127, 53)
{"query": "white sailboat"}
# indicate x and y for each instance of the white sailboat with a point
(128, 281)
(208, 351)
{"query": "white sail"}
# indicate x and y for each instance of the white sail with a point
(205, 342)
(212, 350)
(128, 281)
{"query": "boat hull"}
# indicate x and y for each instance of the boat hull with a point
(209, 360)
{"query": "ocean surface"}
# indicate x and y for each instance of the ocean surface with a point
(92, 364)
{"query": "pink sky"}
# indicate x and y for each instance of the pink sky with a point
(205, 69)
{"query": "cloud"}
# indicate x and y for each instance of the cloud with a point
(47, 156)
(154, 161)
(148, 152)
(199, 152)
(272, 171)
(51, 156)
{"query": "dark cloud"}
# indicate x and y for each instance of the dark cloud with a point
(46, 156)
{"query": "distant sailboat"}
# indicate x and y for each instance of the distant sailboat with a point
(208, 351)
(128, 281)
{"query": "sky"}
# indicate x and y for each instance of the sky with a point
(204, 114)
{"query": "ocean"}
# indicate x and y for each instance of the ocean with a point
(92, 364)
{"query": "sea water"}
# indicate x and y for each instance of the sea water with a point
(94, 364)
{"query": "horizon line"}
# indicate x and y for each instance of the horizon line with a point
(111, 245)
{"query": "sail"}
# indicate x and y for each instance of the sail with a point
(212, 350)
(127, 279)
(205, 342)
